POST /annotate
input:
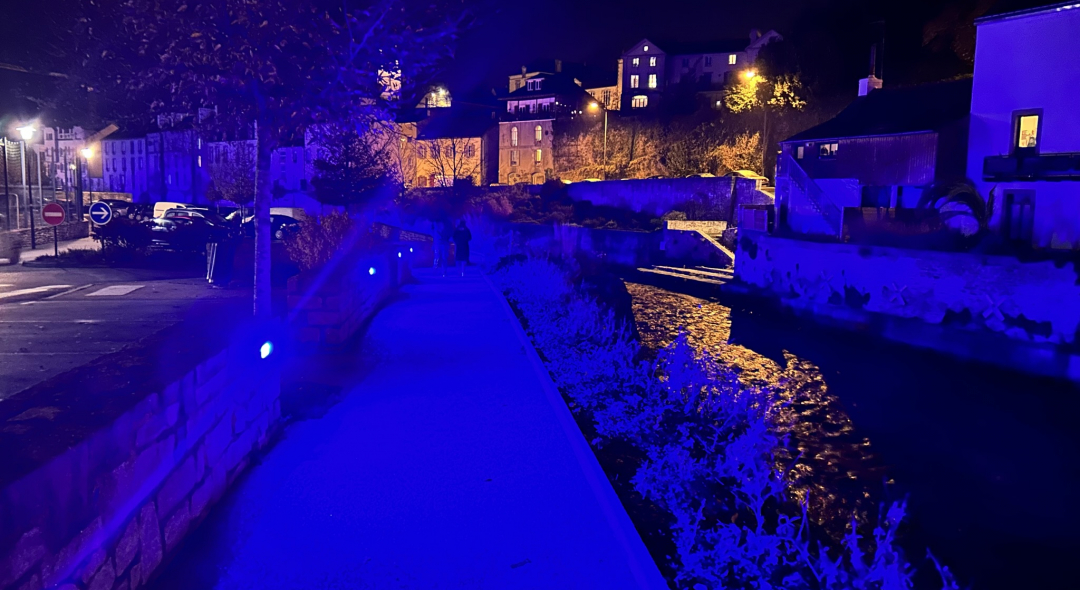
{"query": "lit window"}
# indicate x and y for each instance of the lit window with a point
(539, 156)
(635, 62)
(513, 157)
(635, 80)
(640, 101)
(652, 80)
(652, 62)
(470, 151)
(539, 133)
(731, 59)
(708, 61)
(646, 48)
(1028, 132)
(799, 152)
(513, 136)
(828, 150)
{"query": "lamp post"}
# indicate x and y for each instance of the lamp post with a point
(7, 194)
(749, 76)
(594, 106)
(27, 133)
(88, 153)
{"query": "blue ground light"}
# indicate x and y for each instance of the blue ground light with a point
(266, 349)
(371, 270)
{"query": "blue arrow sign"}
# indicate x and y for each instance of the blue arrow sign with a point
(100, 213)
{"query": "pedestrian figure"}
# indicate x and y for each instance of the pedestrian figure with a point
(444, 231)
(461, 239)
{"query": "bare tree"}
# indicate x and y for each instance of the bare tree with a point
(453, 159)
(232, 173)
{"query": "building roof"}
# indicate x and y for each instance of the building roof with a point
(1006, 9)
(892, 111)
(552, 85)
(672, 47)
(456, 122)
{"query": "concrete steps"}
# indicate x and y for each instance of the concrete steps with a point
(702, 274)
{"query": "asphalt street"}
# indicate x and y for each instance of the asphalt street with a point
(53, 320)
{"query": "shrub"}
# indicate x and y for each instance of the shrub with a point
(319, 239)
(709, 444)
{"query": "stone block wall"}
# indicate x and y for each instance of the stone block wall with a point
(327, 307)
(1030, 301)
(106, 514)
(71, 230)
(661, 195)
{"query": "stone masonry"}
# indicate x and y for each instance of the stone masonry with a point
(105, 514)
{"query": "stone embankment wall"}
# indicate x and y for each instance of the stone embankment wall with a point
(327, 307)
(661, 195)
(135, 468)
(1035, 302)
(72, 230)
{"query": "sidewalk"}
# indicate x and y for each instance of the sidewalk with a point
(46, 248)
(449, 463)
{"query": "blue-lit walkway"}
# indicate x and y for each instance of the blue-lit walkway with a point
(449, 463)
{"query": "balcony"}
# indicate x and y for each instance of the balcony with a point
(1041, 167)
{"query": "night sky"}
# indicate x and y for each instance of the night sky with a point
(831, 37)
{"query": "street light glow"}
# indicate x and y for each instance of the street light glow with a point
(87, 153)
(594, 105)
(27, 132)
(749, 74)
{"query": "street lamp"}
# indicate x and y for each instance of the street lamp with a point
(594, 106)
(749, 74)
(88, 153)
(27, 133)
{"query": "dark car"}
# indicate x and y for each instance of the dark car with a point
(138, 212)
(187, 230)
(281, 226)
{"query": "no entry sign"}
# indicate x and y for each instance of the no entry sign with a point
(53, 214)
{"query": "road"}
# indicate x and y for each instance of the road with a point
(53, 320)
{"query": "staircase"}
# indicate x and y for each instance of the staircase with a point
(832, 214)
(701, 274)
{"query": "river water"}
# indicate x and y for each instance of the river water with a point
(988, 460)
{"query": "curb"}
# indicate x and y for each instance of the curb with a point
(638, 559)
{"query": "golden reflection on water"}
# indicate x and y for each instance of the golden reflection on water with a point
(833, 469)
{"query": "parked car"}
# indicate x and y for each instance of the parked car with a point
(187, 230)
(701, 175)
(163, 206)
(137, 212)
(281, 226)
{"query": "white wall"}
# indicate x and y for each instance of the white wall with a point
(1030, 62)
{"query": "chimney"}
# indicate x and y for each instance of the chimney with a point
(755, 34)
(871, 82)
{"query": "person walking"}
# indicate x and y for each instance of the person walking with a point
(443, 233)
(461, 239)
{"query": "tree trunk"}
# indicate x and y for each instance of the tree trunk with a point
(263, 197)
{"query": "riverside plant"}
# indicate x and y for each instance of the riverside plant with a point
(709, 449)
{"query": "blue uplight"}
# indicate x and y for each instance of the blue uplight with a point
(410, 249)
(399, 254)
(266, 349)
(371, 270)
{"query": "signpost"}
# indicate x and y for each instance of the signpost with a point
(100, 213)
(53, 214)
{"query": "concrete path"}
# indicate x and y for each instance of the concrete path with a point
(449, 463)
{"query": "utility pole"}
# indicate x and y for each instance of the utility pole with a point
(7, 194)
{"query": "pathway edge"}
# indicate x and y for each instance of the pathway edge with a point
(641, 563)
